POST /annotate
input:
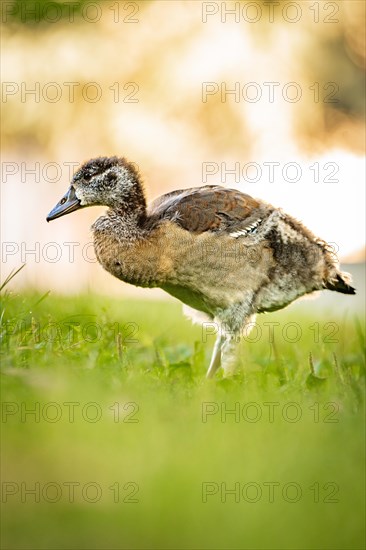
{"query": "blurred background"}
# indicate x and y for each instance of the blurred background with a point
(267, 97)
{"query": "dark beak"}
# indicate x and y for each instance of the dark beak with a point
(67, 204)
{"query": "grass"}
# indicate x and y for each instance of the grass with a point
(124, 416)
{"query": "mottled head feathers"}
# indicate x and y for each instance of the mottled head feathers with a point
(110, 181)
(99, 165)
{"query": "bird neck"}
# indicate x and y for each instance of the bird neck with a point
(134, 205)
(121, 224)
(125, 218)
(128, 223)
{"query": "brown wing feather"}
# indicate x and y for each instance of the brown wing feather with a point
(209, 208)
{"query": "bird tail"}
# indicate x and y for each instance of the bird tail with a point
(340, 283)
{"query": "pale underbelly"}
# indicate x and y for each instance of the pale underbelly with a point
(274, 296)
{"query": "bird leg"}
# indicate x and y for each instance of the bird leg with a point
(231, 346)
(229, 353)
(216, 356)
(225, 354)
(227, 345)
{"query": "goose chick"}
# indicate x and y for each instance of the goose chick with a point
(222, 253)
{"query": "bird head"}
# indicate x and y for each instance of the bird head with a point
(104, 181)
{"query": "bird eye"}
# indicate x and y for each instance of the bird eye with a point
(87, 177)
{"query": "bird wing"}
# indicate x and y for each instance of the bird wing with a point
(208, 208)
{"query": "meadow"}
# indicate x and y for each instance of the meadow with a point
(112, 438)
